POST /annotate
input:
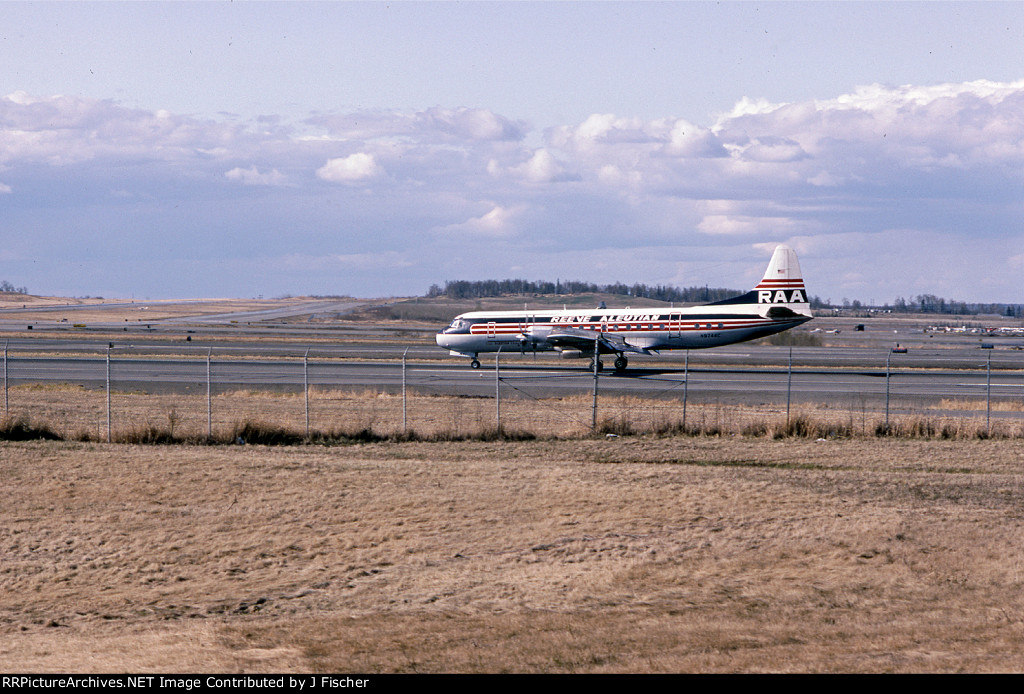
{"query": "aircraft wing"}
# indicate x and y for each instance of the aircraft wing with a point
(577, 338)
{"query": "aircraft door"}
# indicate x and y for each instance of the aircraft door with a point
(675, 325)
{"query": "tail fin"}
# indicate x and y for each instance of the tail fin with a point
(782, 286)
(781, 292)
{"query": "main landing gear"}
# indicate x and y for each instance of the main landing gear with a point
(475, 364)
(620, 364)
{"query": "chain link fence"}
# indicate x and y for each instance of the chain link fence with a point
(120, 394)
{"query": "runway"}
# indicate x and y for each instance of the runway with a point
(276, 345)
(749, 376)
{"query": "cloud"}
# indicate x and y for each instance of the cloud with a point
(498, 222)
(603, 129)
(693, 141)
(915, 170)
(736, 225)
(433, 125)
(949, 126)
(351, 169)
(751, 107)
(541, 167)
(253, 177)
(775, 150)
(474, 124)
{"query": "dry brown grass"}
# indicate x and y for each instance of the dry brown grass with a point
(630, 554)
(979, 404)
(42, 309)
(76, 413)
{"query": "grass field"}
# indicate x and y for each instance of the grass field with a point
(73, 412)
(738, 542)
(628, 554)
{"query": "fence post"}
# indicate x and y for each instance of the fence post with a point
(109, 345)
(789, 384)
(405, 427)
(209, 400)
(988, 396)
(686, 385)
(305, 386)
(888, 356)
(6, 408)
(597, 355)
(497, 391)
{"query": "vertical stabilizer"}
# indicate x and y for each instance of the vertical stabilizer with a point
(782, 284)
(783, 271)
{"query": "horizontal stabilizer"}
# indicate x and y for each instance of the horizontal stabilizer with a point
(781, 312)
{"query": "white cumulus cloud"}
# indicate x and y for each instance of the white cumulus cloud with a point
(498, 222)
(351, 169)
(254, 177)
(542, 167)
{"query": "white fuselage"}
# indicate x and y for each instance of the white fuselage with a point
(694, 327)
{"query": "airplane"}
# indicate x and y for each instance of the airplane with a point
(777, 303)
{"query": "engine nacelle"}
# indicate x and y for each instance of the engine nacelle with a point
(575, 354)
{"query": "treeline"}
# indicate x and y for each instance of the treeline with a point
(8, 288)
(464, 289)
(922, 303)
(929, 303)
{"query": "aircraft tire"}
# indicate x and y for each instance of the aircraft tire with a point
(475, 364)
(621, 363)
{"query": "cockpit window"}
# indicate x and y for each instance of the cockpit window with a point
(457, 326)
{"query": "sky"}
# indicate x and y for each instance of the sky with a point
(240, 149)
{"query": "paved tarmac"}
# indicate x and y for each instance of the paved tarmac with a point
(834, 383)
(267, 350)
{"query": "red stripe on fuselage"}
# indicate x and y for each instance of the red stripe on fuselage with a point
(681, 326)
